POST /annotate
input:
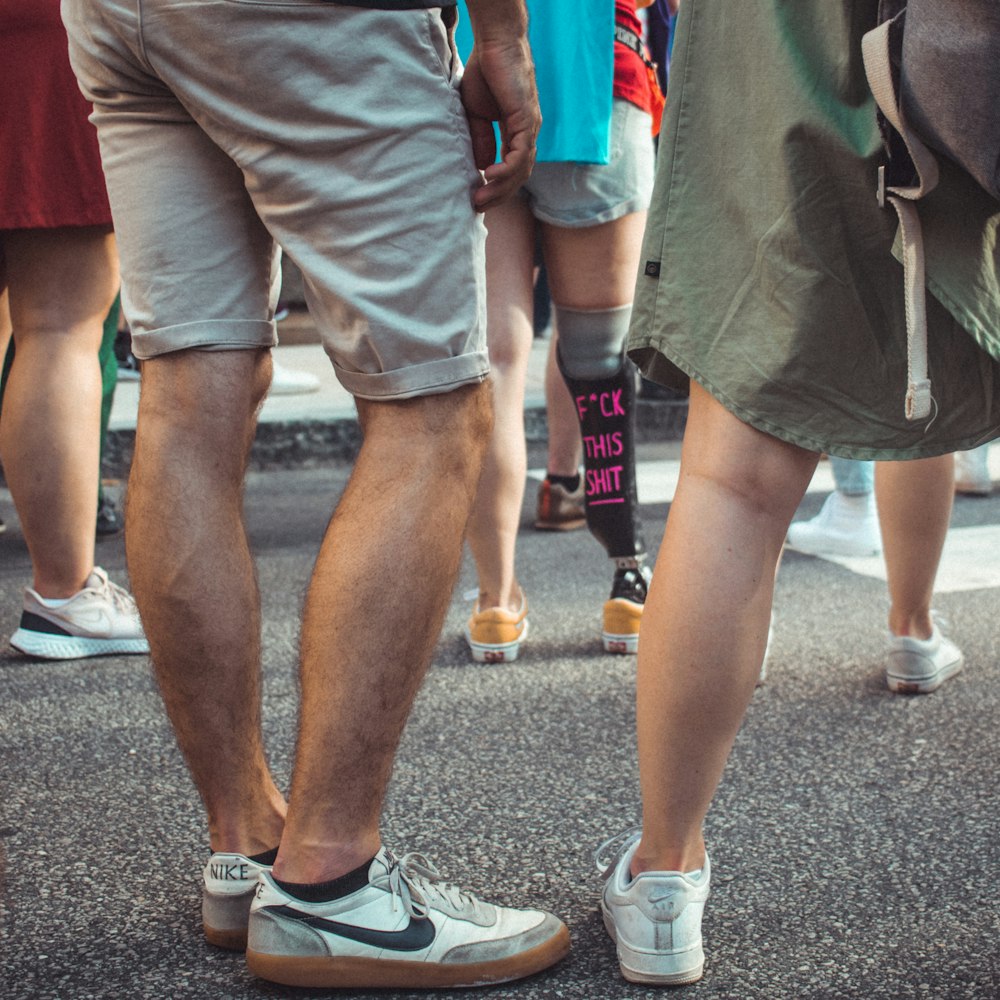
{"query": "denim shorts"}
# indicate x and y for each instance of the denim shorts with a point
(228, 127)
(576, 195)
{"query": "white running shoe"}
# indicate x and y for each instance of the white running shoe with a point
(99, 620)
(655, 918)
(406, 929)
(972, 472)
(286, 382)
(919, 666)
(230, 884)
(845, 526)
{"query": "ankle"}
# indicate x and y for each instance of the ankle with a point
(916, 625)
(301, 862)
(249, 833)
(684, 857)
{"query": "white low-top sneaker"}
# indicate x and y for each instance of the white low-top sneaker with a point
(230, 883)
(655, 918)
(101, 619)
(919, 666)
(405, 929)
(846, 525)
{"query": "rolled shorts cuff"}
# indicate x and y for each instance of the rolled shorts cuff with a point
(585, 219)
(428, 379)
(205, 335)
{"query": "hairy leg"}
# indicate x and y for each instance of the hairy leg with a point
(193, 578)
(496, 514)
(61, 283)
(914, 506)
(381, 587)
(706, 620)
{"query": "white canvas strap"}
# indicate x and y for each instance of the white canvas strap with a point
(875, 50)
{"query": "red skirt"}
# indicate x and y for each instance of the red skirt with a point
(50, 166)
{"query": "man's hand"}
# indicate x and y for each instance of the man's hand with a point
(499, 86)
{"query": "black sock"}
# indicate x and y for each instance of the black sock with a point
(265, 857)
(323, 892)
(570, 483)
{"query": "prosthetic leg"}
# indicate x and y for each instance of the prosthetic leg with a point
(603, 388)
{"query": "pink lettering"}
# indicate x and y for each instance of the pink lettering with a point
(603, 445)
(601, 481)
(611, 404)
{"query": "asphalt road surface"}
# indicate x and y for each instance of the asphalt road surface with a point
(854, 840)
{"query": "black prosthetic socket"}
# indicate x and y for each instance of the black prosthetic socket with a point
(605, 408)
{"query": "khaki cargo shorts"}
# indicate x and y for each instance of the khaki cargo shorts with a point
(230, 127)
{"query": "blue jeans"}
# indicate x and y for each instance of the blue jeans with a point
(853, 477)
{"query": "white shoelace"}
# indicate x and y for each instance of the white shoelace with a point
(416, 883)
(118, 597)
(607, 856)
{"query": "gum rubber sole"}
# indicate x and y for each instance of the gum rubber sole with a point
(379, 973)
(232, 940)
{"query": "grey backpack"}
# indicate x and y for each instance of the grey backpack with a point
(934, 69)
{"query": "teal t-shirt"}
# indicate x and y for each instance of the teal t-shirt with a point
(572, 45)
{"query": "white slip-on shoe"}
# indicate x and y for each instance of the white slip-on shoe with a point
(404, 929)
(919, 666)
(654, 918)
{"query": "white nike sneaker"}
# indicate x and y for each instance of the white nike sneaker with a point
(230, 885)
(406, 929)
(655, 918)
(99, 620)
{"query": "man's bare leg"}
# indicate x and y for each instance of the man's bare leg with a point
(706, 620)
(382, 584)
(914, 506)
(194, 581)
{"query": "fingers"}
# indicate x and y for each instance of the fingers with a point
(502, 179)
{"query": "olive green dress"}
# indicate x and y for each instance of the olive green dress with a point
(767, 270)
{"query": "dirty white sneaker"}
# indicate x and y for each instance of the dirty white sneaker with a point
(405, 929)
(655, 918)
(972, 472)
(845, 526)
(919, 666)
(99, 620)
(230, 883)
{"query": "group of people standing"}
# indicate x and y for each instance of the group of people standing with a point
(764, 285)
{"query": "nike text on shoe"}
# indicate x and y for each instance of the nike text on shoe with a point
(622, 612)
(230, 886)
(919, 666)
(655, 918)
(99, 620)
(406, 929)
(847, 525)
(495, 635)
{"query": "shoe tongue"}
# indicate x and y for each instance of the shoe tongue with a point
(96, 580)
(382, 864)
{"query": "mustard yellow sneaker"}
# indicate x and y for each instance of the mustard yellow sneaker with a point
(495, 635)
(623, 610)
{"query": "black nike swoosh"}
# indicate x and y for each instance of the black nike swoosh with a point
(416, 936)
